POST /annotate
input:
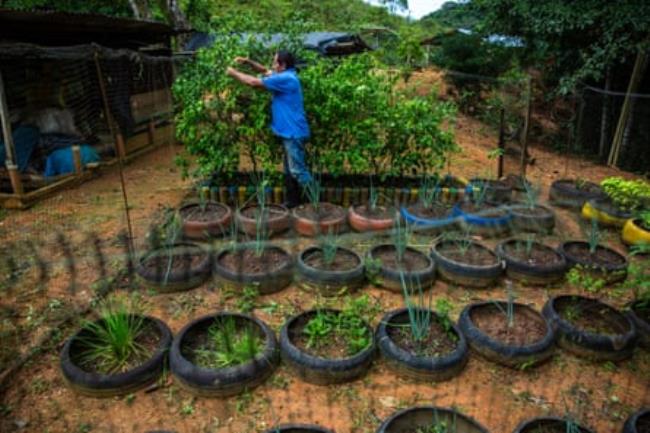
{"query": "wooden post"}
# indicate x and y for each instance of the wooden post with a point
(10, 163)
(151, 131)
(525, 133)
(502, 144)
(76, 157)
(120, 146)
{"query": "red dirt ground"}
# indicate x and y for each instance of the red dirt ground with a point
(37, 400)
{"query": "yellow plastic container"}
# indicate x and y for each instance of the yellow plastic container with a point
(589, 212)
(634, 234)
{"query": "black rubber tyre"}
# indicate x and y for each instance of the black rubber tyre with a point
(601, 347)
(497, 191)
(265, 282)
(298, 428)
(499, 352)
(464, 274)
(529, 273)
(606, 206)
(532, 425)
(541, 222)
(317, 370)
(564, 193)
(390, 278)
(419, 368)
(632, 423)
(110, 385)
(227, 381)
(177, 280)
(422, 416)
(330, 283)
(612, 273)
(642, 326)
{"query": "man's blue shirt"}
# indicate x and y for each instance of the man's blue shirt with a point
(287, 107)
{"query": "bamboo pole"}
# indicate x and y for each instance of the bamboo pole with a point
(635, 79)
(525, 133)
(10, 149)
(76, 157)
(120, 156)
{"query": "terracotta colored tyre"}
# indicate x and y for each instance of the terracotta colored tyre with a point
(278, 222)
(309, 227)
(362, 223)
(194, 229)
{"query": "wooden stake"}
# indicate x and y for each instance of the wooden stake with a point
(151, 131)
(502, 144)
(76, 157)
(10, 163)
(524, 135)
(14, 177)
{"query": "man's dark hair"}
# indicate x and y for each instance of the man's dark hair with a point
(286, 58)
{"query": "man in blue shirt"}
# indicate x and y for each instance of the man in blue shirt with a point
(289, 122)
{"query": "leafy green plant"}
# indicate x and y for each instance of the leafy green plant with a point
(580, 277)
(112, 344)
(631, 195)
(227, 345)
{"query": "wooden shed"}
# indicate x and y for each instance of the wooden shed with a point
(78, 91)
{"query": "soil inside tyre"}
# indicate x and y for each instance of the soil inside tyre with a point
(336, 345)
(474, 255)
(527, 327)
(434, 211)
(343, 260)
(599, 258)
(325, 212)
(270, 212)
(584, 186)
(146, 341)
(203, 349)
(535, 255)
(437, 342)
(411, 261)
(211, 212)
(378, 213)
(549, 426)
(592, 316)
(247, 261)
(181, 261)
(643, 424)
(484, 210)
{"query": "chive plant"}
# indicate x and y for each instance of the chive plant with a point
(261, 226)
(531, 194)
(401, 236)
(329, 246)
(203, 199)
(313, 191)
(429, 191)
(173, 230)
(373, 196)
(593, 236)
(419, 310)
(110, 345)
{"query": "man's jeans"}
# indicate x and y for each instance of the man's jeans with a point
(294, 160)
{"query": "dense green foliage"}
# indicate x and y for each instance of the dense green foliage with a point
(360, 123)
(630, 195)
(454, 15)
(577, 39)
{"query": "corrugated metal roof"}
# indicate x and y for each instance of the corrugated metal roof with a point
(45, 20)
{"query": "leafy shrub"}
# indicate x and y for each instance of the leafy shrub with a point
(627, 194)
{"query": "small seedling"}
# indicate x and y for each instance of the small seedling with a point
(419, 312)
(313, 191)
(401, 238)
(429, 190)
(228, 345)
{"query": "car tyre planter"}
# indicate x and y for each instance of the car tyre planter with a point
(536, 219)
(239, 266)
(543, 266)
(614, 344)
(227, 381)
(316, 369)
(456, 268)
(640, 315)
(547, 424)
(511, 352)
(638, 422)
(330, 218)
(202, 223)
(436, 368)
(363, 221)
(496, 191)
(604, 263)
(435, 219)
(421, 268)
(485, 220)
(298, 428)
(94, 384)
(635, 233)
(277, 221)
(410, 419)
(566, 193)
(605, 213)
(190, 267)
(331, 282)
